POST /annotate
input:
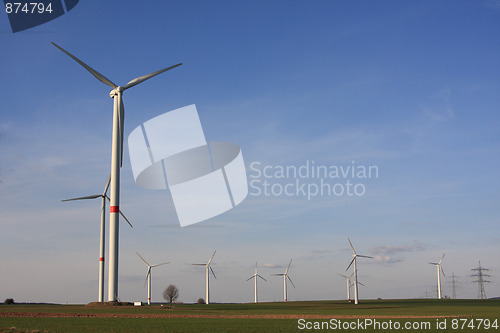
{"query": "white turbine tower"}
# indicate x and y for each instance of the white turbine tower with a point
(285, 276)
(103, 197)
(354, 256)
(255, 276)
(348, 279)
(148, 275)
(438, 266)
(208, 268)
(116, 162)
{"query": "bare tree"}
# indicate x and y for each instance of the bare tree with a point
(171, 294)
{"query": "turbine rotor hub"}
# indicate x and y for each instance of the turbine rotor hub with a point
(116, 91)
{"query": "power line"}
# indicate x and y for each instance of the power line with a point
(480, 275)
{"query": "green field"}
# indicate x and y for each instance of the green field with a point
(459, 316)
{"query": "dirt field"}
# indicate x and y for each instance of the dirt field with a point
(123, 315)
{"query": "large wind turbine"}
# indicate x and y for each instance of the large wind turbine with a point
(438, 266)
(255, 276)
(148, 276)
(348, 279)
(354, 256)
(103, 197)
(116, 162)
(285, 276)
(207, 266)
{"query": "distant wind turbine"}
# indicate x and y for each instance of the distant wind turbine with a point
(207, 266)
(103, 197)
(255, 276)
(285, 276)
(354, 256)
(116, 163)
(148, 275)
(438, 266)
(348, 279)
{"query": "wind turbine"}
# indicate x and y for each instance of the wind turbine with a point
(354, 256)
(438, 266)
(148, 276)
(207, 265)
(348, 278)
(285, 276)
(255, 276)
(116, 162)
(103, 197)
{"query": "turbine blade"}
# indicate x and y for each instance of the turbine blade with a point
(121, 129)
(251, 277)
(290, 281)
(84, 198)
(92, 71)
(147, 276)
(442, 270)
(352, 247)
(163, 263)
(350, 263)
(143, 78)
(107, 186)
(351, 275)
(280, 274)
(199, 264)
(123, 215)
(343, 276)
(143, 259)
(359, 255)
(288, 266)
(130, 224)
(441, 259)
(212, 271)
(361, 284)
(434, 263)
(261, 277)
(211, 258)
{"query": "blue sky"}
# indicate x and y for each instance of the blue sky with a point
(409, 87)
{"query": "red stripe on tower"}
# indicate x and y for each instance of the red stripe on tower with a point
(101, 259)
(114, 209)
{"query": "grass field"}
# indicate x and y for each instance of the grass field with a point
(457, 315)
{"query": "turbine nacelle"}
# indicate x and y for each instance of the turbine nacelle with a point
(118, 90)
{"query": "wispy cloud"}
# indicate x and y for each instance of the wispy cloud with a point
(439, 108)
(316, 254)
(391, 249)
(493, 4)
(390, 254)
(379, 259)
